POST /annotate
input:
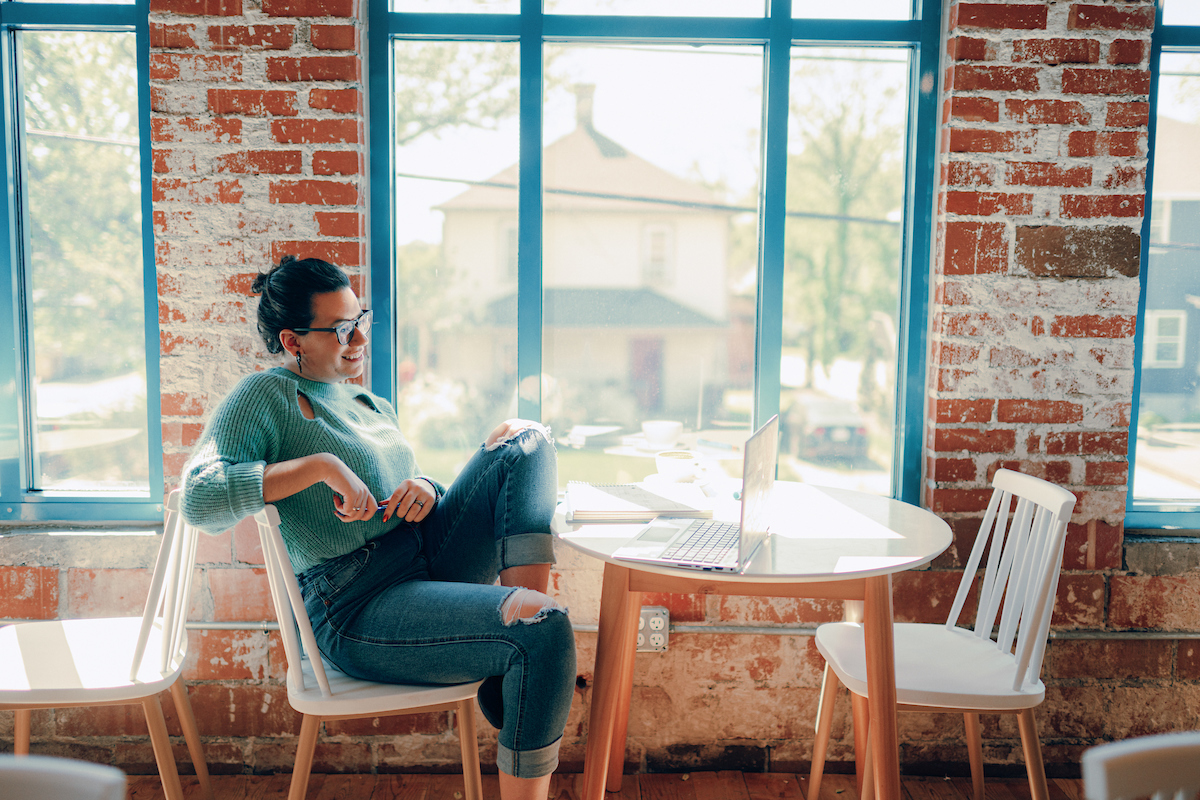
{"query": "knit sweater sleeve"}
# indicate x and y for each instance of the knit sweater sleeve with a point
(223, 481)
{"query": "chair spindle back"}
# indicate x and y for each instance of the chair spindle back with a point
(167, 603)
(295, 628)
(1024, 555)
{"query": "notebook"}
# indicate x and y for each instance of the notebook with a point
(711, 544)
(631, 502)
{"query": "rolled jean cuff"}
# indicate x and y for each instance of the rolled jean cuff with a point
(521, 549)
(528, 763)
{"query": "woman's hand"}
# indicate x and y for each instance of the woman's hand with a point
(352, 500)
(508, 429)
(412, 501)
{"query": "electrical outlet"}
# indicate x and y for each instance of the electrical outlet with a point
(653, 629)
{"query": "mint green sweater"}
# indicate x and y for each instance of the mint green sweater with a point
(260, 423)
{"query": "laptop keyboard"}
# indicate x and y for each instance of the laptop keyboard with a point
(706, 543)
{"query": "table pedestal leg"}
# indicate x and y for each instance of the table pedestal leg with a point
(881, 687)
(608, 717)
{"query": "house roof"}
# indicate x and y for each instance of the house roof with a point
(1177, 172)
(587, 170)
(609, 308)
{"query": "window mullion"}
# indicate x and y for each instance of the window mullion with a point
(149, 269)
(768, 344)
(529, 216)
(10, 337)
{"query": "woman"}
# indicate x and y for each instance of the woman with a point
(405, 595)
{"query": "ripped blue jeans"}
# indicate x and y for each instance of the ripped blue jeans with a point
(419, 604)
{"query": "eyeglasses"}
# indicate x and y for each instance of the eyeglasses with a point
(344, 330)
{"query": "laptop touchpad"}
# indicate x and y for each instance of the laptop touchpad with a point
(658, 532)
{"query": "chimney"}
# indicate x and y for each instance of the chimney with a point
(584, 93)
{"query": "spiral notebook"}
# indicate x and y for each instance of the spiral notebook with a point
(632, 502)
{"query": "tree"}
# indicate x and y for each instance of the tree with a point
(442, 85)
(82, 197)
(845, 181)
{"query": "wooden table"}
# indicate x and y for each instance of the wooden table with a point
(825, 543)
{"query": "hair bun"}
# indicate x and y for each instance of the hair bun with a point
(260, 282)
(262, 279)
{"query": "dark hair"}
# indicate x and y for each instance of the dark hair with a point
(287, 291)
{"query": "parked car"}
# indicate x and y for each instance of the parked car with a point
(820, 426)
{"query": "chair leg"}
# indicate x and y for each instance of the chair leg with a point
(868, 785)
(21, 728)
(305, 747)
(161, 742)
(191, 735)
(861, 714)
(975, 754)
(829, 689)
(1033, 755)
(468, 740)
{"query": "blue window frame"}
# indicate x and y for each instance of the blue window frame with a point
(1164, 489)
(80, 432)
(775, 35)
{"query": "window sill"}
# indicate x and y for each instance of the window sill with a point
(1159, 553)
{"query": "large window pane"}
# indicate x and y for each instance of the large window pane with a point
(650, 252)
(857, 10)
(661, 8)
(83, 238)
(456, 218)
(1168, 431)
(1181, 12)
(458, 6)
(843, 264)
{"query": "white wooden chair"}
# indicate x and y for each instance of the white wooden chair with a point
(1162, 766)
(51, 778)
(320, 692)
(114, 660)
(945, 668)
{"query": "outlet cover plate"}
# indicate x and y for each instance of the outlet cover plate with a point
(654, 627)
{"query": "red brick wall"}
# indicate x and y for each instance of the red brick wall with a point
(258, 137)
(1035, 290)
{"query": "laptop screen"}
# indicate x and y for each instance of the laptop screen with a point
(758, 478)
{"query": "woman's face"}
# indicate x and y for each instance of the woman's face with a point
(322, 356)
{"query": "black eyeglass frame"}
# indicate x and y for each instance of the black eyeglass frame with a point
(361, 322)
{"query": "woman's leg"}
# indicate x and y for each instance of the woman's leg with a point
(497, 513)
(424, 631)
(524, 788)
(495, 518)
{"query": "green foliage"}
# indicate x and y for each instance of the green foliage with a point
(82, 194)
(441, 85)
(847, 162)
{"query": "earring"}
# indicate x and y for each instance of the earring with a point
(299, 366)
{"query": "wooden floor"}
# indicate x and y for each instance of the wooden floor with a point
(691, 786)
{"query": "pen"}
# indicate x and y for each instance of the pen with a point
(378, 510)
(716, 445)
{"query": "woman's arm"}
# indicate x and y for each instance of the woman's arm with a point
(286, 478)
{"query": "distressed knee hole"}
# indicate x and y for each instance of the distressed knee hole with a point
(527, 606)
(529, 444)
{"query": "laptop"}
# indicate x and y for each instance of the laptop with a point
(706, 544)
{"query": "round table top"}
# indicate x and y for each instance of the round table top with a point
(817, 534)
